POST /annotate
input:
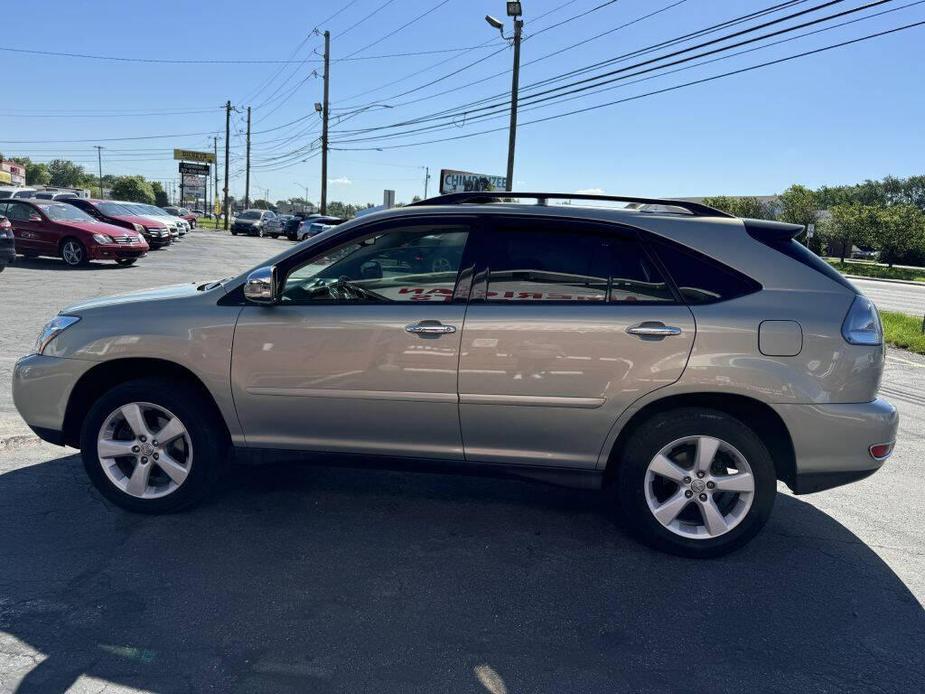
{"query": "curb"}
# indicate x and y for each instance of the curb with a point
(911, 283)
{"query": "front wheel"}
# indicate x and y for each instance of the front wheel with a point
(695, 482)
(152, 446)
(73, 253)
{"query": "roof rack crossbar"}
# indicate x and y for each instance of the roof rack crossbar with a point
(695, 208)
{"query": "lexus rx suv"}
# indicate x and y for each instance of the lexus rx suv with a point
(56, 228)
(679, 359)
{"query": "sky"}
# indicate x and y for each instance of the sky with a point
(834, 117)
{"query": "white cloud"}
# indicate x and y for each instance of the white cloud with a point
(342, 181)
(590, 191)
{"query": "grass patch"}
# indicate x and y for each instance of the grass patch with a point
(903, 331)
(881, 271)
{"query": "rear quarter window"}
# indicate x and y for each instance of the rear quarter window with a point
(702, 280)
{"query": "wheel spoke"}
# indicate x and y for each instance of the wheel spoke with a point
(713, 517)
(671, 507)
(110, 448)
(172, 468)
(664, 466)
(706, 451)
(138, 482)
(740, 482)
(132, 414)
(170, 431)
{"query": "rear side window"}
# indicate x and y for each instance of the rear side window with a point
(700, 279)
(561, 261)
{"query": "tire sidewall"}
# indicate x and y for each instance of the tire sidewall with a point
(661, 430)
(83, 252)
(186, 403)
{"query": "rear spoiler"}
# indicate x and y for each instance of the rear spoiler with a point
(772, 233)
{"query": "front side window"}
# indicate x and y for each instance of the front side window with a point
(555, 260)
(416, 263)
(17, 211)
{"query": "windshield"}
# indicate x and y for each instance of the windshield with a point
(63, 212)
(152, 210)
(172, 210)
(113, 210)
(250, 214)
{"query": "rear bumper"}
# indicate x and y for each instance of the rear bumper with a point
(831, 442)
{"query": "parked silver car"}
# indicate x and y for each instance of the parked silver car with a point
(680, 358)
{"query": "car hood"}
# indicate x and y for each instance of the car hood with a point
(95, 227)
(135, 219)
(174, 291)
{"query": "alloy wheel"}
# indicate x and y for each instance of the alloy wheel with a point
(144, 450)
(699, 487)
(72, 252)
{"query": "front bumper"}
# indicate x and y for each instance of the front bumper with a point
(42, 386)
(831, 442)
(117, 251)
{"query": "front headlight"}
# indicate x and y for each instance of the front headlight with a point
(140, 229)
(52, 329)
(102, 238)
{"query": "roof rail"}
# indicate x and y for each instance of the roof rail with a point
(483, 196)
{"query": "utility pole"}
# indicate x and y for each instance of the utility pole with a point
(515, 87)
(99, 158)
(324, 123)
(247, 175)
(215, 183)
(426, 180)
(227, 142)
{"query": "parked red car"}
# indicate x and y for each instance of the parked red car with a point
(156, 233)
(55, 228)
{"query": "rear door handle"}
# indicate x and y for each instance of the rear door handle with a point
(653, 329)
(430, 327)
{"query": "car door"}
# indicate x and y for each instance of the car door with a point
(26, 229)
(569, 322)
(360, 354)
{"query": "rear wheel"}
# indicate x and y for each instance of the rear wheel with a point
(152, 446)
(73, 253)
(696, 482)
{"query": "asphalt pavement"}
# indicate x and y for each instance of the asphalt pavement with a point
(894, 296)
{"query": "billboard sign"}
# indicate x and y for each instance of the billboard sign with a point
(5, 176)
(194, 169)
(452, 181)
(189, 155)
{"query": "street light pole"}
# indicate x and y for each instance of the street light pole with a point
(99, 158)
(515, 86)
(324, 125)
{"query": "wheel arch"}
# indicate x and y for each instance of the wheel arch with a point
(109, 374)
(760, 416)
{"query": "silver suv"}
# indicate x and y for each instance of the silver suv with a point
(682, 359)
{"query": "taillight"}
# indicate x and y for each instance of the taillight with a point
(862, 324)
(881, 451)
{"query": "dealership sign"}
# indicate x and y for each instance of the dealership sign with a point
(12, 173)
(189, 155)
(194, 169)
(452, 181)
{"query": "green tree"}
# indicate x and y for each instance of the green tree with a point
(133, 189)
(798, 206)
(898, 230)
(746, 207)
(160, 195)
(262, 204)
(853, 223)
(66, 173)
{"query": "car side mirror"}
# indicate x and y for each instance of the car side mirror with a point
(35, 217)
(371, 270)
(262, 286)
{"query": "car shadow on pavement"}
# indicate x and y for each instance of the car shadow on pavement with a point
(311, 579)
(48, 263)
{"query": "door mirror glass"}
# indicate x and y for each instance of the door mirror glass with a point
(261, 286)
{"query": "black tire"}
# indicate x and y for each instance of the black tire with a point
(125, 262)
(234, 233)
(73, 252)
(663, 429)
(204, 426)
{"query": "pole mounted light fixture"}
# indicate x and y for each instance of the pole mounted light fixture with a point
(514, 9)
(318, 107)
(496, 23)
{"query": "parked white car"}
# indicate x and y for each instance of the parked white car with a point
(157, 215)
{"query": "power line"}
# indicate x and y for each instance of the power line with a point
(395, 31)
(369, 16)
(129, 59)
(651, 93)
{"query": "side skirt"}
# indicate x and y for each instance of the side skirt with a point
(562, 477)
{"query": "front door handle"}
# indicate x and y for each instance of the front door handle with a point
(430, 327)
(653, 329)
